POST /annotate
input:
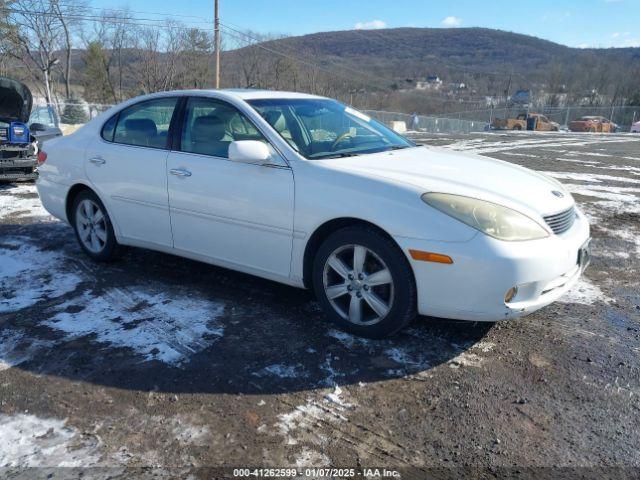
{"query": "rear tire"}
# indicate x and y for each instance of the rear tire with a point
(364, 282)
(93, 228)
(517, 127)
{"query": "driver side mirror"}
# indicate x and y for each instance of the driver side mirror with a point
(249, 151)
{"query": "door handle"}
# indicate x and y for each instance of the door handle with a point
(180, 172)
(98, 161)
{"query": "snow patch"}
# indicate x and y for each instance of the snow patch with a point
(484, 346)
(402, 357)
(336, 398)
(16, 348)
(591, 177)
(282, 371)
(530, 140)
(311, 458)
(30, 441)
(331, 372)
(19, 201)
(613, 199)
(188, 434)
(29, 275)
(157, 326)
(584, 292)
(300, 425)
(347, 339)
(466, 359)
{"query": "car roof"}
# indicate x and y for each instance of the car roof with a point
(250, 94)
(242, 93)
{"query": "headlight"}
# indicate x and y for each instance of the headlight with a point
(494, 220)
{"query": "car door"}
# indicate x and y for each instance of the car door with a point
(237, 214)
(544, 123)
(127, 164)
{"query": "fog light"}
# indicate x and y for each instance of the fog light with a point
(510, 294)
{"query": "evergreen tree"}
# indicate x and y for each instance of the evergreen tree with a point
(74, 111)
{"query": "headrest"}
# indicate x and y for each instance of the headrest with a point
(276, 119)
(143, 126)
(208, 128)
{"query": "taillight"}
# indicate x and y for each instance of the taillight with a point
(42, 157)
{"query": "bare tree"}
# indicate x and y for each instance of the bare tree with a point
(67, 16)
(36, 36)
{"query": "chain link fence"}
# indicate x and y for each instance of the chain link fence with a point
(430, 124)
(468, 121)
(480, 120)
(622, 116)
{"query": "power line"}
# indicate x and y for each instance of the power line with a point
(106, 19)
(103, 9)
(112, 17)
(229, 30)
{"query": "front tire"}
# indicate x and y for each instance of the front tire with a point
(364, 282)
(93, 227)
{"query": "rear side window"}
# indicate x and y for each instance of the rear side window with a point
(145, 124)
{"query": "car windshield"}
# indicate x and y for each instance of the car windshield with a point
(323, 128)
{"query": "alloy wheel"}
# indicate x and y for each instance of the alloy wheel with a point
(358, 285)
(92, 226)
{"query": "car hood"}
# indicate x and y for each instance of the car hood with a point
(430, 169)
(15, 101)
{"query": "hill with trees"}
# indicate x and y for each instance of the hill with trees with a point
(69, 50)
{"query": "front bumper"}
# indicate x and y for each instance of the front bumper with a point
(484, 269)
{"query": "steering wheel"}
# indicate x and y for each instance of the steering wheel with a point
(341, 138)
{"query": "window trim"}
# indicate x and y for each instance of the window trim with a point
(168, 143)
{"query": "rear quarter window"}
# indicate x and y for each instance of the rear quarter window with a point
(109, 128)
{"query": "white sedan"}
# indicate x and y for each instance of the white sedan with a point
(306, 191)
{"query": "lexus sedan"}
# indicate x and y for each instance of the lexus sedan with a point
(303, 190)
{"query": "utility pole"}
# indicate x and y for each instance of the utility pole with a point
(216, 40)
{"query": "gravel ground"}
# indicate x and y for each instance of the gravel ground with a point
(156, 361)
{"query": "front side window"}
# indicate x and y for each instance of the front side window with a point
(323, 128)
(146, 124)
(211, 125)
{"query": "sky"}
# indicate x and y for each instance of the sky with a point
(576, 23)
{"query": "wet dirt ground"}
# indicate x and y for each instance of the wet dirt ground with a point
(157, 361)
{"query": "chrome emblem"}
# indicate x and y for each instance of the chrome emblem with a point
(557, 193)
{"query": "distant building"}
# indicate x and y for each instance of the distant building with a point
(521, 97)
(432, 82)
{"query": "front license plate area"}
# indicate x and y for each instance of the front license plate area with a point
(584, 255)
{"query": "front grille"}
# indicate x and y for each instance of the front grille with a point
(561, 222)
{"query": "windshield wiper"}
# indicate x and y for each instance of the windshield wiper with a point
(338, 155)
(397, 147)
